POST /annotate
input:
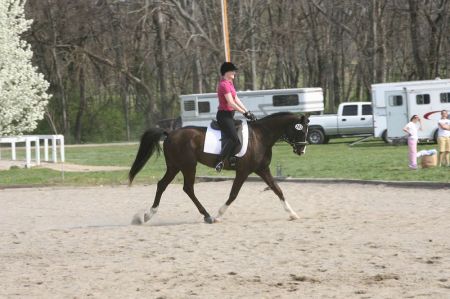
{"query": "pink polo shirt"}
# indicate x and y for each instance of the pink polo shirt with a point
(223, 88)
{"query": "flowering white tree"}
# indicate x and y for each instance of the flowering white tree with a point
(23, 94)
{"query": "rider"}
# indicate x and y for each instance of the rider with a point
(228, 104)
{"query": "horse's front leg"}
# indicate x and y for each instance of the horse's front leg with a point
(268, 178)
(237, 184)
(188, 187)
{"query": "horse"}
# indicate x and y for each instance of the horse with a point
(183, 149)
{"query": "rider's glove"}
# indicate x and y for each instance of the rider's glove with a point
(250, 116)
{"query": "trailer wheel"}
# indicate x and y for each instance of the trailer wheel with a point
(435, 136)
(316, 136)
(385, 138)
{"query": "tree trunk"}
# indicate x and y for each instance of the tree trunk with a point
(253, 50)
(81, 106)
(161, 58)
(119, 57)
(415, 39)
(50, 121)
(62, 93)
(438, 24)
(198, 74)
(336, 85)
(61, 88)
(275, 36)
(379, 41)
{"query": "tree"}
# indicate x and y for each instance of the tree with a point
(23, 96)
(116, 67)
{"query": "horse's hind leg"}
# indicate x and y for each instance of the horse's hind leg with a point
(268, 178)
(188, 187)
(162, 185)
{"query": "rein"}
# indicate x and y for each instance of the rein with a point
(293, 143)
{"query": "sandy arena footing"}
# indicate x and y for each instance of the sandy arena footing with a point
(351, 241)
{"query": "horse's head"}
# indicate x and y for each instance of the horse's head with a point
(296, 134)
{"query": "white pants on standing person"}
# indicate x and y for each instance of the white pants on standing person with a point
(412, 130)
(412, 152)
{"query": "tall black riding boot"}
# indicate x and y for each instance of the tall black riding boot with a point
(227, 148)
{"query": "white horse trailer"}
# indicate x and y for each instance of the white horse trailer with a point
(200, 109)
(394, 103)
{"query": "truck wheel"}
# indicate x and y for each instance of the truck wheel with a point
(316, 136)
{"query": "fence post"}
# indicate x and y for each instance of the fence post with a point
(38, 150)
(13, 150)
(54, 150)
(28, 152)
(46, 150)
(61, 145)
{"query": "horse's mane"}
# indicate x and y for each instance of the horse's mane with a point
(275, 115)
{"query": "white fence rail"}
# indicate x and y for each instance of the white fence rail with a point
(36, 139)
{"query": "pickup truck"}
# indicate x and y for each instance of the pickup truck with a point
(352, 119)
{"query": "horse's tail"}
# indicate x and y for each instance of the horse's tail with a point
(149, 143)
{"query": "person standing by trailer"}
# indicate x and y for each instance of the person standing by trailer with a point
(228, 104)
(411, 129)
(443, 139)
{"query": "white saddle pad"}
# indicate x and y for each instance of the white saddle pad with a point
(213, 144)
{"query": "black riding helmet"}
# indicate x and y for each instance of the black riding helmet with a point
(227, 67)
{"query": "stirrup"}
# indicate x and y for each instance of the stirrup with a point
(232, 160)
(219, 166)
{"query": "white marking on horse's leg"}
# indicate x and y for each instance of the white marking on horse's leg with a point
(221, 211)
(149, 215)
(287, 208)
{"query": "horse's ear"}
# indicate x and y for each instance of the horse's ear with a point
(305, 117)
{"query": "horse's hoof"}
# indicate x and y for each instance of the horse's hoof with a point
(136, 220)
(209, 219)
(146, 217)
(293, 217)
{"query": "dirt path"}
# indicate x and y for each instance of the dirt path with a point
(5, 165)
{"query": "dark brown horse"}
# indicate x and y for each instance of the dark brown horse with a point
(183, 149)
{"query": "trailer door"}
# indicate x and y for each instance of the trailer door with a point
(397, 114)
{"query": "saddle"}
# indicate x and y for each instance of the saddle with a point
(214, 140)
(215, 125)
(223, 140)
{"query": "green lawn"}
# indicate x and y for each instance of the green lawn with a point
(370, 160)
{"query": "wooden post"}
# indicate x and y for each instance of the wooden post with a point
(226, 40)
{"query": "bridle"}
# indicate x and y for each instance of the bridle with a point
(296, 144)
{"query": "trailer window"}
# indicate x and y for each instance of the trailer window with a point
(189, 105)
(285, 100)
(423, 99)
(445, 97)
(366, 110)
(204, 107)
(350, 110)
(395, 100)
